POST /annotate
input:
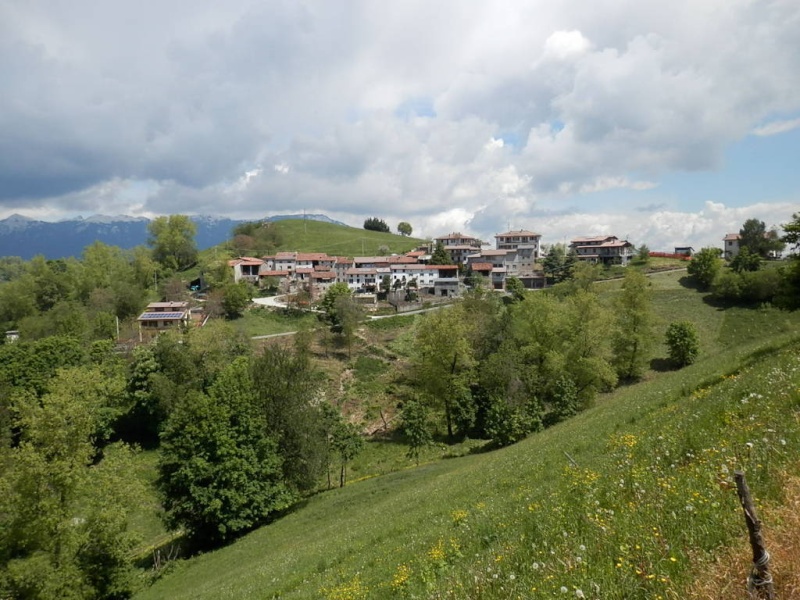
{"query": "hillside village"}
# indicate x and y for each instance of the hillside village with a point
(516, 254)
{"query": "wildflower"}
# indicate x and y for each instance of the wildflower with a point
(564, 589)
(579, 593)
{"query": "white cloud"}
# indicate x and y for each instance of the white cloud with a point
(512, 102)
(776, 127)
(563, 45)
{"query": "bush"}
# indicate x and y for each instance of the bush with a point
(683, 343)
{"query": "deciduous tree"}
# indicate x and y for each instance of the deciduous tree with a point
(404, 228)
(172, 241)
(632, 338)
(704, 266)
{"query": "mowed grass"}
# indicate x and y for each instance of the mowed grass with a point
(267, 321)
(618, 502)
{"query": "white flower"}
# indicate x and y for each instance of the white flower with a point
(579, 593)
(564, 589)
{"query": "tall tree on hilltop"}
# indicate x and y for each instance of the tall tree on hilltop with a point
(404, 228)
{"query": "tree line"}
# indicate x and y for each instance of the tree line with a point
(744, 279)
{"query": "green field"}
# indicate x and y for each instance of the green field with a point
(629, 499)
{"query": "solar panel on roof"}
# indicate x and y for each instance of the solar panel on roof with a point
(161, 315)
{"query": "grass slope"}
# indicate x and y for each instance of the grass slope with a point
(300, 235)
(615, 503)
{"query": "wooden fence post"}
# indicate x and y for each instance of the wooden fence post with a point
(759, 582)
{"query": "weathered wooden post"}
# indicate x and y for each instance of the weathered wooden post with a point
(759, 582)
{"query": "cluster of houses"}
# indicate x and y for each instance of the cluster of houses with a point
(515, 254)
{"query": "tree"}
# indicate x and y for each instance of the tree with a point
(440, 255)
(64, 526)
(746, 260)
(704, 266)
(404, 228)
(792, 232)
(642, 255)
(328, 302)
(348, 315)
(414, 419)
(219, 471)
(347, 443)
(790, 290)
(755, 237)
(443, 365)
(515, 287)
(376, 224)
(633, 332)
(172, 241)
(236, 298)
(682, 342)
(287, 390)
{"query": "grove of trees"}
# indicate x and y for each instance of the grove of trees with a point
(376, 224)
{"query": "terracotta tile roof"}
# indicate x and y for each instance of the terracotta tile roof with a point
(361, 272)
(482, 266)
(273, 273)
(323, 275)
(313, 256)
(730, 237)
(521, 232)
(286, 256)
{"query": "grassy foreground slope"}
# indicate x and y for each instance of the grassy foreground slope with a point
(615, 503)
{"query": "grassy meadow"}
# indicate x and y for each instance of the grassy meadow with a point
(631, 498)
(298, 235)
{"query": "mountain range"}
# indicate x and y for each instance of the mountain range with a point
(25, 237)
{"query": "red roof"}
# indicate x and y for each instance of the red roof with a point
(273, 273)
(313, 256)
(521, 232)
(730, 237)
(323, 275)
(483, 266)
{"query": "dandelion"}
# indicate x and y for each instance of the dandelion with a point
(564, 589)
(579, 593)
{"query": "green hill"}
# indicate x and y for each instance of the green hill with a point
(337, 240)
(629, 499)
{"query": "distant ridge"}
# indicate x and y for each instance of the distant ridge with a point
(26, 237)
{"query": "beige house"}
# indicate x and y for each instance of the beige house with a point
(160, 316)
(603, 249)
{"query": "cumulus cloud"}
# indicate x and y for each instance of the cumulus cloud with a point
(446, 114)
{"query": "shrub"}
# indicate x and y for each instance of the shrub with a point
(683, 343)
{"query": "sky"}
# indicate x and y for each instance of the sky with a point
(665, 123)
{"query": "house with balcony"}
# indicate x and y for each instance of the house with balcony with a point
(603, 249)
